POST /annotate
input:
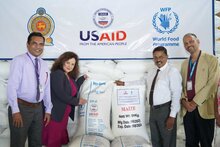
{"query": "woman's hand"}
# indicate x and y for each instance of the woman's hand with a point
(82, 101)
(85, 76)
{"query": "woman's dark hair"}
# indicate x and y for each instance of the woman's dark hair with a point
(59, 62)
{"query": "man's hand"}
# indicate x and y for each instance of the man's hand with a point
(193, 105)
(169, 123)
(46, 119)
(190, 106)
(119, 83)
(17, 120)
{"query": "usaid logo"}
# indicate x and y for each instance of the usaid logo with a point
(103, 18)
(165, 21)
(106, 36)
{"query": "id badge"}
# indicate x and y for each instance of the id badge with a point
(189, 85)
(40, 88)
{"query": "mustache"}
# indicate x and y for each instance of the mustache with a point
(158, 62)
(190, 47)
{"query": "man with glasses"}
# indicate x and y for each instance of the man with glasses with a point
(200, 73)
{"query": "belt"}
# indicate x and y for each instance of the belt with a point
(162, 105)
(23, 102)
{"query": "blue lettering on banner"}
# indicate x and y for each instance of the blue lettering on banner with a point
(94, 38)
(166, 41)
(165, 9)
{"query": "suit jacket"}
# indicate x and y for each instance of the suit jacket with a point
(61, 94)
(206, 82)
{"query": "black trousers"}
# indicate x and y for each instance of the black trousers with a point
(198, 130)
(32, 127)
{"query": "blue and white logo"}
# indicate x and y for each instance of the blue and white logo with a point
(165, 21)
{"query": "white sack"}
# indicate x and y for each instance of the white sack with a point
(94, 116)
(128, 111)
(130, 141)
(134, 77)
(98, 77)
(4, 118)
(4, 70)
(133, 66)
(106, 68)
(3, 93)
(217, 7)
(5, 138)
(217, 137)
(72, 125)
(89, 141)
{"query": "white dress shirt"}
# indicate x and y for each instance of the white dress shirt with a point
(168, 87)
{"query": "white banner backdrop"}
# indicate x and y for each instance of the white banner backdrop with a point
(101, 29)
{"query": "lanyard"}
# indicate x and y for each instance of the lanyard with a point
(192, 66)
(37, 74)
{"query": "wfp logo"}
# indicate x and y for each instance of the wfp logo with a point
(165, 21)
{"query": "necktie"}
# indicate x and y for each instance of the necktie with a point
(152, 88)
(37, 76)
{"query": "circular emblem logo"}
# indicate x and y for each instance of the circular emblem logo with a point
(165, 21)
(43, 23)
(103, 18)
(94, 107)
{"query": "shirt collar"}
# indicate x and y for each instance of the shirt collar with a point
(31, 56)
(163, 67)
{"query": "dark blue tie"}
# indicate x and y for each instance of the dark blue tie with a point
(38, 80)
(152, 88)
